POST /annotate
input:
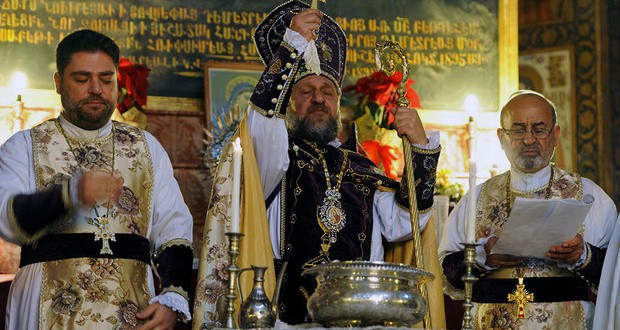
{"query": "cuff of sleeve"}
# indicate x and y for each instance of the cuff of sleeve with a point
(584, 259)
(173, 264)
(176, 302)
(296, 40)
(31, 216)
(432, 144)
(425, 168)
(69, 194)
(481, 254)
(72, 200)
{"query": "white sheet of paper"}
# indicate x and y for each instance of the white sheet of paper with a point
(534, 225)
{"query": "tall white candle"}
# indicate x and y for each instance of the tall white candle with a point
(19, 81)
(471, 107)
(236, 189)
(471, 223)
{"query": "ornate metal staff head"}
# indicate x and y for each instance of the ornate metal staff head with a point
(388, 55)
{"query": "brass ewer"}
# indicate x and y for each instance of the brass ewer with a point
(256, 310)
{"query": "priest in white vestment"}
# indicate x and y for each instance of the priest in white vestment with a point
(95, 207)
(560, 282)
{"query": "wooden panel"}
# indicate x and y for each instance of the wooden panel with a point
(196, 188)
(181, 135)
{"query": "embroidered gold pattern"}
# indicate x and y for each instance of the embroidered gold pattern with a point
(101, 222)
(276, 66)
(326, 51)
(496, 199)
(92, 292)
(173, 242)
(177, 289)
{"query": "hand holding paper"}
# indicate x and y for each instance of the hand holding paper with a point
(569, 252)
(500, 260)
(535, 225)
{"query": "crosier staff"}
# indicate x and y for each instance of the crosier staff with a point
(385, 53)
(315, 4)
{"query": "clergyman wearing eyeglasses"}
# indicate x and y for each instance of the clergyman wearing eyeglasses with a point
(554, 294)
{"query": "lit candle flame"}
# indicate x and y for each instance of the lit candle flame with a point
(471, 105)
(19, 81)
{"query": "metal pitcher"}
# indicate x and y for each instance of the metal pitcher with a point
(256, 311)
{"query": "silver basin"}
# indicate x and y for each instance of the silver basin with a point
(364, 293)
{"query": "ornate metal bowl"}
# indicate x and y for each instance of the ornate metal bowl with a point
(364, 293)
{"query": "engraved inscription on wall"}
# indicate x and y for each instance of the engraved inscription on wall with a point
(445, 42)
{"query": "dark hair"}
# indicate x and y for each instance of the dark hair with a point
(84, 40)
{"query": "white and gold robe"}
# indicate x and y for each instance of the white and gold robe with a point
(596, 231)
(167, 219)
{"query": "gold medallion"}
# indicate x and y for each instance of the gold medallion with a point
(331, 214)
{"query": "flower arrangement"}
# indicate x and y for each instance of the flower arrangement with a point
(443, 185)
(376, 94)
(132, 91)
(132, 85)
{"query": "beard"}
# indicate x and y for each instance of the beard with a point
(75, 113)
(530, 163)
(314, 130)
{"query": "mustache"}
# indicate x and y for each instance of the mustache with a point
(93, 98)
(318, 107)
(534, 147)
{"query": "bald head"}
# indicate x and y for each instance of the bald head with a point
(519, 96)
(528, 132)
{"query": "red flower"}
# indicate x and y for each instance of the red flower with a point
(380, 89)
(386, 157)
(132, 85)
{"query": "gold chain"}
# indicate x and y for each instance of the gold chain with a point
(339, 176)
(330, 215)
(547, 186)
(67, 139)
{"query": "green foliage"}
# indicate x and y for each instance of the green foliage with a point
(444, 186)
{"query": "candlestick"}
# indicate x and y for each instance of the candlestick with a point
(471, 106)
(469, 278)
(233, 273)
(236, 190)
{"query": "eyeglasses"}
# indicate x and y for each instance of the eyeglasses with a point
(520, 133)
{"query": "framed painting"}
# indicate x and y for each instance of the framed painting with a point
(228, 87)
(550, 71)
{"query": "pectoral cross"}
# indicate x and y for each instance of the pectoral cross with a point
(103, 234)
(315, 4)
(521, 298)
